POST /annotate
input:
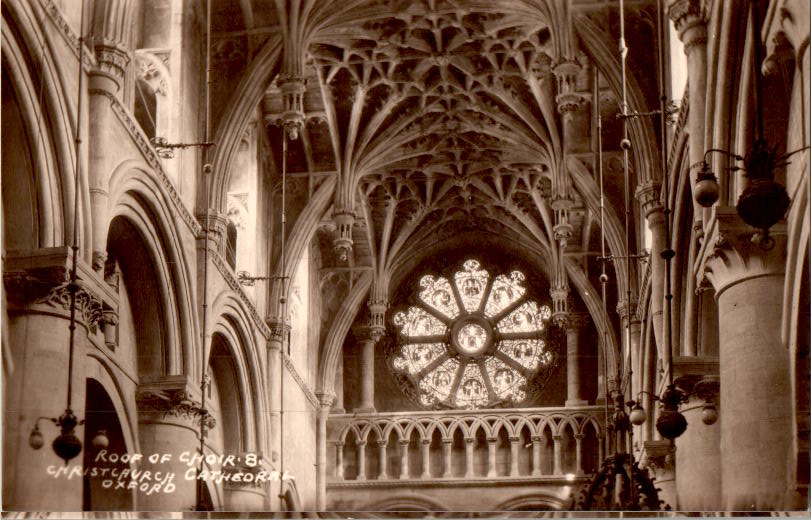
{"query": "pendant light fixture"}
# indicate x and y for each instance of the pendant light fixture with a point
(67, 445)
(764, 201)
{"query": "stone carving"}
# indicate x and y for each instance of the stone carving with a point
(174, 402)
(112, 59)
(88, 307)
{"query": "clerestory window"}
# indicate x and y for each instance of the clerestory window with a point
(473, 340)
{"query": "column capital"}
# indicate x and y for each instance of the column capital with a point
(536, 438)
(112, 59)
(648, 195)
(687, 14)
(364, 332)
(576, 320)
(626, 311)
(404, 442)
(325, 399)
(172, 396)
(278, 329)
(659, 456)
(729, 255)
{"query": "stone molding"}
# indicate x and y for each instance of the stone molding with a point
(171, 397)
(505, 480)
(66, 31)
(729, 256)
(308, 393)
(151, 157)
(235, 286)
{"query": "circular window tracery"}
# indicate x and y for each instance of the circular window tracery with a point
(473, 342)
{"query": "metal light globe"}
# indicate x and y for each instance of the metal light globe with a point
(35, 440)
(709, 414)
(706, 190)
(67, 446)
(671, 424)
(638, 415)
(763, 203)
(100, 440)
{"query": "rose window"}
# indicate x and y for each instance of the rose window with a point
(472, 341)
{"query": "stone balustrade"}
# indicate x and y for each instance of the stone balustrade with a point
(511, 444)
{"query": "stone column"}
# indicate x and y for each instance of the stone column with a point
(491, 456)
(404, 459)
(38, 311)
(514, 445)
(106, 82)
(274, 379)
(558, 466)
(648, 196)
(169, 416)
(339, 460)
(381, 446)
(578, 464)
(690, 21)
(326, 401)
(698, 450)
(367, 370)
(469, 442)
(361, 460)
(657, 457)
(536, 455)
(623, 309)
(426, 459)
(242, 495)
(338, 408)
(753, 363)
(447, 451)
(574, 323)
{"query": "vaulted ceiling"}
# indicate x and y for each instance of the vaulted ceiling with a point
(442, 118)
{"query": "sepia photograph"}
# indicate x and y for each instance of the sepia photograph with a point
(362, 259)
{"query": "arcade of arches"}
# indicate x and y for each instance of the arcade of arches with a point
(425, 330)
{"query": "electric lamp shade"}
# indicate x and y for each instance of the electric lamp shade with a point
(671, 424)
(709, 415)
(67, 446)
(100, 440)
(638, 415)
(35, 440)
(706, 191)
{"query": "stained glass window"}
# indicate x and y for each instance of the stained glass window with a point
(472, 340)
(471, 282)
(437, 293)
(417, 322)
